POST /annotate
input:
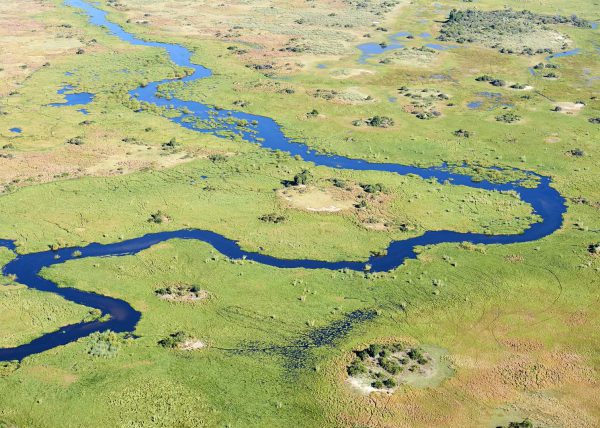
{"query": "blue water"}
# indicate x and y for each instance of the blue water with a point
(321, 66)
(73, 99)
(439, 47)
(372, 49)
(369, 50)
(490, 94)
(84, 111)
(399, 35)
(544, 199)
(564, 54)
(16, 130)
(474, 104)
(531, 71)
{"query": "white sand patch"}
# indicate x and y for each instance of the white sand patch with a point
(569, 107)
(192, 345)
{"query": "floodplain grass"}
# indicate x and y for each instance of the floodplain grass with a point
(519, 322)
(237, 192)
(477, 313)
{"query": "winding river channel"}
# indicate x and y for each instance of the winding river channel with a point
(545, 200)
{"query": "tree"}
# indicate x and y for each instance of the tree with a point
(302, 178)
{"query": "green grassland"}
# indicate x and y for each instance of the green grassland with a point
(519, 323)
(474, 312)
(237, 192)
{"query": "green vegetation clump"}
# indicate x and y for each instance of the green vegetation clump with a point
(272, 218)
(507, 30)
(462, 133)
(526, 423)
(424, 103)
(356, 367)
(172, 144)
(373, 188)
(509, 117)
(300, 179)
(375, 121)
(181, 292)
(175, 340)
(384, 366)
(75, 141)
(106, 344)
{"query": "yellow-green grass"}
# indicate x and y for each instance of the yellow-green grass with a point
(230, 201)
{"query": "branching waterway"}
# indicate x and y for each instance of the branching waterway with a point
(546, 202)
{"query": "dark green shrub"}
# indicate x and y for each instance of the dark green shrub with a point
(380, 121)
(356, 368)
(174, 340)
(272, 218)
(389, 382)
(508, 117)
(377, 384)
(373, 350)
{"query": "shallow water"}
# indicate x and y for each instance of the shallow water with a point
(545, 201)
(16, 130)
(73, 99)
(439, 47)
(370, 50)
(564, 54)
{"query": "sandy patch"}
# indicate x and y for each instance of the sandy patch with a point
(346, 73)
(192, 345)
(569, 107)
(189, 297)
(363, 387)
(317, 200)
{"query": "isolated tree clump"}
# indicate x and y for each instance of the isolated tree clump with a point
(380, 121)
(302, 178)
(174, 340)
(508, 117)
(76, 141)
